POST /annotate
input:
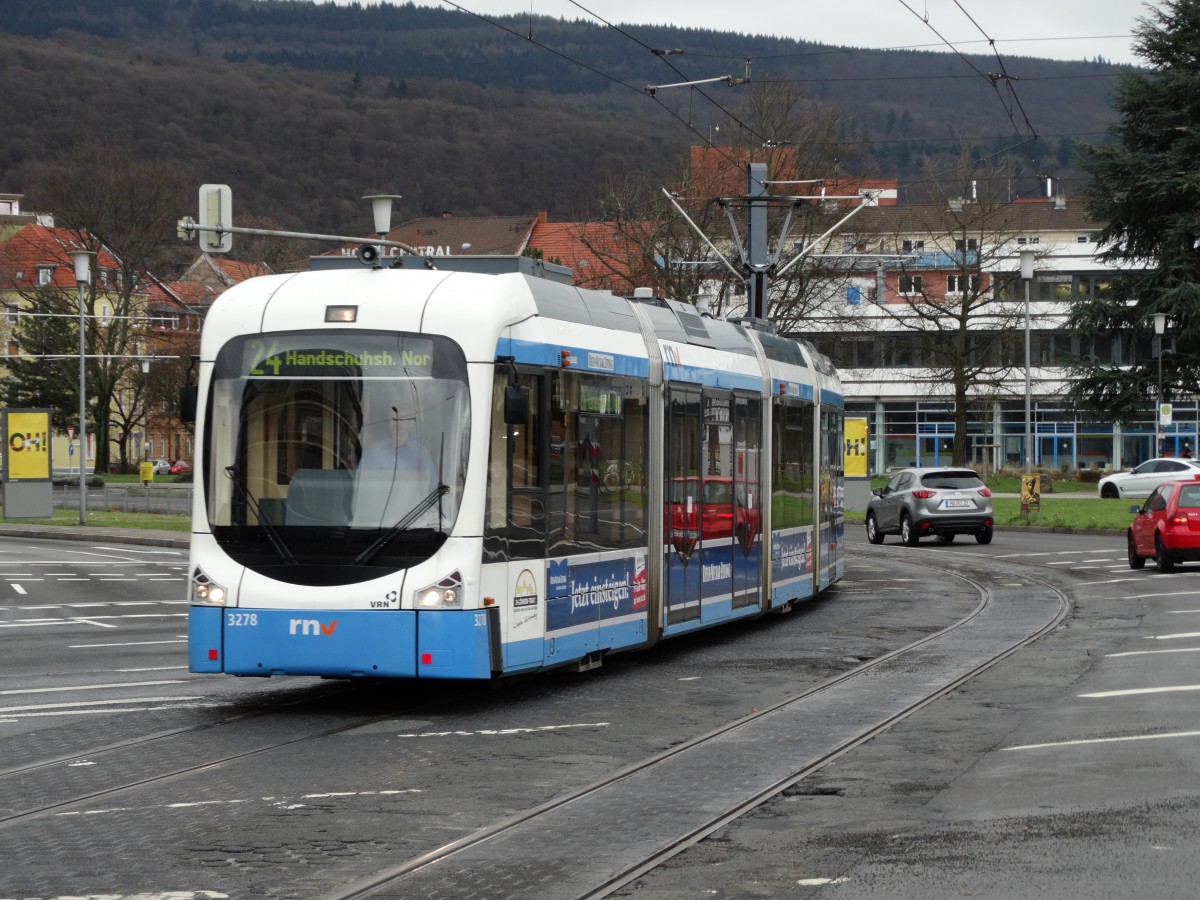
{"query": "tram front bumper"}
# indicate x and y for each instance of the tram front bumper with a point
(340, 644)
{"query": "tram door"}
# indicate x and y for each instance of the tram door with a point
(682, 509)
(747, 501)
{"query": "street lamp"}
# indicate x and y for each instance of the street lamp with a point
(145, 410)
(82, 260)
(1027, 257)
(1160, 328)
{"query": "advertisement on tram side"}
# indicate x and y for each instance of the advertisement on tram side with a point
(592, 591)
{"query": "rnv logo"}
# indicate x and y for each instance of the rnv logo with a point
(311, 627)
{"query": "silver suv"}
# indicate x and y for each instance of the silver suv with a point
(921, 502)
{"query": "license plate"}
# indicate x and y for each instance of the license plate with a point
(956, 504)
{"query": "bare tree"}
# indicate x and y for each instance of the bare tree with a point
(129, 208)
(945, 298)
(649, 242)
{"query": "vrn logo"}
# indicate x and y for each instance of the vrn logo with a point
(311, 627)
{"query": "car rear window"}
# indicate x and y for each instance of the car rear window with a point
(1189, 498)
(951, 481)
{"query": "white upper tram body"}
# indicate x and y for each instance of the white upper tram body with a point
(566, 473)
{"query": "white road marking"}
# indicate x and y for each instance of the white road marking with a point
(8, 710)
(1112, 740)
(153, 669)
(87, 687)
(162, 551)
(128, 644)
(1137, 692)
(19, 589)
(1150, 652)
(494, 731)
(282, 802)
(820, 881)
(1184, 635)
(58, 713)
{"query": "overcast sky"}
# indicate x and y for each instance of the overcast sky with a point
(1054, 29)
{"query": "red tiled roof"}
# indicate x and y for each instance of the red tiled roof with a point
(34, 247)
(721, 171)
(239, 271)
(596, 252)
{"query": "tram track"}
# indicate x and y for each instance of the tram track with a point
(22, 777)
(654, 807)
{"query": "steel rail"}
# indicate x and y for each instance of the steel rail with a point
(393, 877)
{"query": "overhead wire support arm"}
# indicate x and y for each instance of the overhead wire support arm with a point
(840, 222)
(188, 227)
(736, 274)
(653, 89)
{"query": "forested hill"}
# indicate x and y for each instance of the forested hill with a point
(301, 105)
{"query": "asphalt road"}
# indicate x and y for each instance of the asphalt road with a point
(1066, 770)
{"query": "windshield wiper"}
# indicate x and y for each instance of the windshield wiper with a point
(272, 535)
(433, 498)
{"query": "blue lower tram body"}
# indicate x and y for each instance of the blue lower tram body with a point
(342, 643)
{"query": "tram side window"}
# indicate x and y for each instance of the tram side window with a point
(832, 487)
(514, 518)
(597, 448)
(792, 478)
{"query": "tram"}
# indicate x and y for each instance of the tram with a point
(595, 473)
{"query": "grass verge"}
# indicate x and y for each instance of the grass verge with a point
(104, 519)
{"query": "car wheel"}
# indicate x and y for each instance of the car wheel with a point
(946, 538)
(874, 535)
(984, 537)
(1162, 561)
(1109, 492)
(908, 534)
(1135, 561)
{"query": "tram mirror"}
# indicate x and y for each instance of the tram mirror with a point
(516, 404)
(188, 396)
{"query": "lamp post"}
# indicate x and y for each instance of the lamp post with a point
(1027, 257)
(82, 260)
(1160, 328)
(145, 410)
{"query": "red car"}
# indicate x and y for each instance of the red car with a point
(1166, 528)
(716, 515)
(180, 467)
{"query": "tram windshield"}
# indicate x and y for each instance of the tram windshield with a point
(331, 455)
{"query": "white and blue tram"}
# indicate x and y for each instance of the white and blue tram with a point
(609, 472)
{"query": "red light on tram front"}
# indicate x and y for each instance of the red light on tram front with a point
(427, 659)
(212, 653)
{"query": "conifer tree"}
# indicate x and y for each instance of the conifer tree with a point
(1145, 187)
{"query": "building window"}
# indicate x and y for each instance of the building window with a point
(45, 274)
(1029, 240)
(958, 284)
(968, 244)
(911, 284)
(912, 246)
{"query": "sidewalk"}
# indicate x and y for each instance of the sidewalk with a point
(143, 536)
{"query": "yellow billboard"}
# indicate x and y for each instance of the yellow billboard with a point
(27, 444)
(854, 458)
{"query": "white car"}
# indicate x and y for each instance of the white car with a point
(161, 467)
(1145, 478)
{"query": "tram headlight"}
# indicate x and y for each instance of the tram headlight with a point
(446, 594)
(206, 592)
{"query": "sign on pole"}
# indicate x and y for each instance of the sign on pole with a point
(854, 455)
(1164, 414)
(216, 211)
